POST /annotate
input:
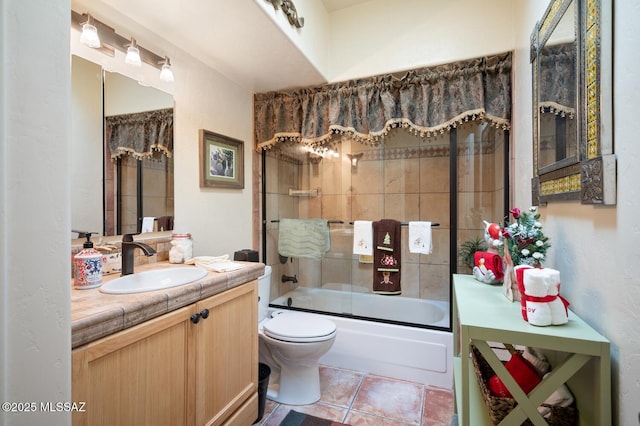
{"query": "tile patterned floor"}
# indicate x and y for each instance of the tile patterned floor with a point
(362, 399)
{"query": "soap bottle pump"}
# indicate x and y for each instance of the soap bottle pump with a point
(88, 265)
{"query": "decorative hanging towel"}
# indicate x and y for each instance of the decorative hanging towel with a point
(362, 238)
(420, 237)
(386, 256)
(308, 238)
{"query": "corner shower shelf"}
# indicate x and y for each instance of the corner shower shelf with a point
(482, 314)
(303, 192)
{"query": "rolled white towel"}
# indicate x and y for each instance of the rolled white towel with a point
(535, 282)
(538, 313)
(553, 282)
(537, 359)
(561, 397)
(558, 312)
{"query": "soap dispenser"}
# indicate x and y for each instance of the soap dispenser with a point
(88, 265)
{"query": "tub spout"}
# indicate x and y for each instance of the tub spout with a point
(293, 279)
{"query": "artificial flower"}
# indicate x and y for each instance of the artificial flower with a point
(525, 240)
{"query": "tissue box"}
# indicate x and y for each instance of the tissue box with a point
(112, 263)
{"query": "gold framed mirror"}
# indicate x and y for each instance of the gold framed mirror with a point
(573, 155)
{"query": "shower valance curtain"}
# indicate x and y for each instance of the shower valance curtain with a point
(558, 79)
(140, 134)
(426, 101)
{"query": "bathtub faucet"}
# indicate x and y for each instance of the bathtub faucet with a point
(293, 279)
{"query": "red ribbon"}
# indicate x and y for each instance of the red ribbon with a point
(547, 299)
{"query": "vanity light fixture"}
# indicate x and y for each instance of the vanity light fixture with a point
(354, 158)
(166, 73)
(109, 41)
(133, 54)
(89, 34)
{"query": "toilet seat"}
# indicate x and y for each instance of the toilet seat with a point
(299, 328)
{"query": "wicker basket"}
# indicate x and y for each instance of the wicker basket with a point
(500, 407)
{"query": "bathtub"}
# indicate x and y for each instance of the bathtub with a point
(404, 352)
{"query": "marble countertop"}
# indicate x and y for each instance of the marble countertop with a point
(95, 315)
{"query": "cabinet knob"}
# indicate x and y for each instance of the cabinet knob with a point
(204, 314)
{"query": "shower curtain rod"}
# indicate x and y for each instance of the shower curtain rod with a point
(433, 224)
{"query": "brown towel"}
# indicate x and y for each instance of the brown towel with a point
(165, 223)
(386, 256)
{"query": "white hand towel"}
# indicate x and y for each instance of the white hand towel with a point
(363, 237)
(207, 259)
(215, 263)
(420, 237)
(223, 266)
(147, 224)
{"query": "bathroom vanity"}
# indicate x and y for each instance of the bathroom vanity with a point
(186, 355)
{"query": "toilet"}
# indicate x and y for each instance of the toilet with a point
(291, 343)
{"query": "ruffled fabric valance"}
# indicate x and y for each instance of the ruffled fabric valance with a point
(426, 101)
(140, 134)
(557, 80)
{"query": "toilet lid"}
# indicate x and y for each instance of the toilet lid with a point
(299, 327)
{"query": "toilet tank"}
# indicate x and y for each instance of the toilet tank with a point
(264, 291)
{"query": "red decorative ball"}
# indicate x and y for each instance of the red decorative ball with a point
(494, 231)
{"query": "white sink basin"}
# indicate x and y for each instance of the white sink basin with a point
(156, 279)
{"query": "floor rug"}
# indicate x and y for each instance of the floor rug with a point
(295, 418)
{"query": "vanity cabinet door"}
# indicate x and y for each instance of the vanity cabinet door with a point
(139, 376)
(226, 359)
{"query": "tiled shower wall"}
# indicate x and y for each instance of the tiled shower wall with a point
(157, 182)
(407, 179)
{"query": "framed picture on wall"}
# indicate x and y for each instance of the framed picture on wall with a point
(221, 161)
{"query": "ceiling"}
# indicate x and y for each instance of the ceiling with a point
(235, 37)
(333, 5)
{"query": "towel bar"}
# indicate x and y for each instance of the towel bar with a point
(329, 221)
(433, 224)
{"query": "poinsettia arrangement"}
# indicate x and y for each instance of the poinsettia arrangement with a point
(525, 240)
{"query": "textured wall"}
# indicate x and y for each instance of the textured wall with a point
(35, 88)
(596, 248)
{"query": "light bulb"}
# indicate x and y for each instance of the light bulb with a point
(133, 55)
(166, 73)
(89, 36)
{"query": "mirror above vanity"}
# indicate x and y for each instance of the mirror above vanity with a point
(122, 152)
(573, 155)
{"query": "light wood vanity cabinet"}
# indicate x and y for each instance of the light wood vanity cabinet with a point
(197, 365)
(226, 357)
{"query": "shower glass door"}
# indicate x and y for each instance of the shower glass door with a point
(482, 187)
(405, 178)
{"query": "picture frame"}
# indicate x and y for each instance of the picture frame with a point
(221, 161)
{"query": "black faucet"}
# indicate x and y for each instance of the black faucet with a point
(293, 279)
(128, 247)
